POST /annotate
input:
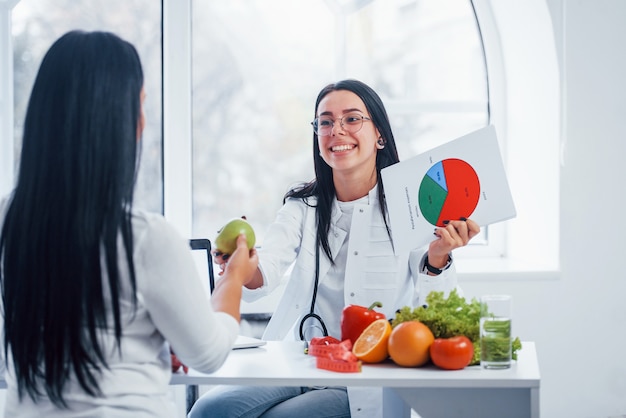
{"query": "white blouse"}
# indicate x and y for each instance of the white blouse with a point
(172, 305)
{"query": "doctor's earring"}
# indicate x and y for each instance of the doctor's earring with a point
(380, 143)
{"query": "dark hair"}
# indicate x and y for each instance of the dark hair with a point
(322, 186)
(71, 204)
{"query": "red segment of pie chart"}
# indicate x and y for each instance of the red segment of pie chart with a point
(463, 190)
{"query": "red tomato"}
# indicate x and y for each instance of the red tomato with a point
(452, 353)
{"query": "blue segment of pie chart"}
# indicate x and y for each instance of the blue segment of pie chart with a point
(437, 175)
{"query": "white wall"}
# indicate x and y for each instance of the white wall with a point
(579, 321)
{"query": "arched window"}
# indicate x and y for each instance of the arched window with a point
(258, 66)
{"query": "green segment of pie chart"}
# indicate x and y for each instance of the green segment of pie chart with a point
(431, 198)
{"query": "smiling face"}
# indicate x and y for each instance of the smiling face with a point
(350, 155)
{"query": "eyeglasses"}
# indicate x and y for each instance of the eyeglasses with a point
(352, 123)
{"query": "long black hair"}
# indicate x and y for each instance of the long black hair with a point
(71, 204)
(322, 187)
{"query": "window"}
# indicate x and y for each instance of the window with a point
(523, 101)
(36, 24)
(258, 66)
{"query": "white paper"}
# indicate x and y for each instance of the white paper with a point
(462, 178)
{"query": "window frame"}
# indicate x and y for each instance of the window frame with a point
(177, 115)
(524, 85)
(524, 79)
(523, 247)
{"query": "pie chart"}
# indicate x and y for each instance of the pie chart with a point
(449, 190)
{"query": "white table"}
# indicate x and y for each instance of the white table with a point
(432, 392)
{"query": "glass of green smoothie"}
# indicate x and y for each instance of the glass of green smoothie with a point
(495, 331)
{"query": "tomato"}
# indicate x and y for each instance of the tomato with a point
(452, 353)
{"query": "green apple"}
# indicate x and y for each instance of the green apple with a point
(226, 240)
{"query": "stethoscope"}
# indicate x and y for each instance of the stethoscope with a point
(312, 313)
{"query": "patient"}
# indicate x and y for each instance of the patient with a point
(93, 289)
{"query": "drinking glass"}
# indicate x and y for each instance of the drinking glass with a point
(495, 332)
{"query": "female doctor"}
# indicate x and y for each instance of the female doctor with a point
(336, 229)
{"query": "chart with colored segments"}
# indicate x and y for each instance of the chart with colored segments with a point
(449, 190)
(463, 178)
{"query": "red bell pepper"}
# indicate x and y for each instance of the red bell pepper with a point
(355, 318)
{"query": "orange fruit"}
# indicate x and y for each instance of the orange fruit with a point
(409, 344)
(371, 346)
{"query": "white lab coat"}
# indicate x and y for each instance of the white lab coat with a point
(373, 273)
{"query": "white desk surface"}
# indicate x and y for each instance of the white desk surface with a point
(436, 393)
(285, 364)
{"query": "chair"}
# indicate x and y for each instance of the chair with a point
(203, 244)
